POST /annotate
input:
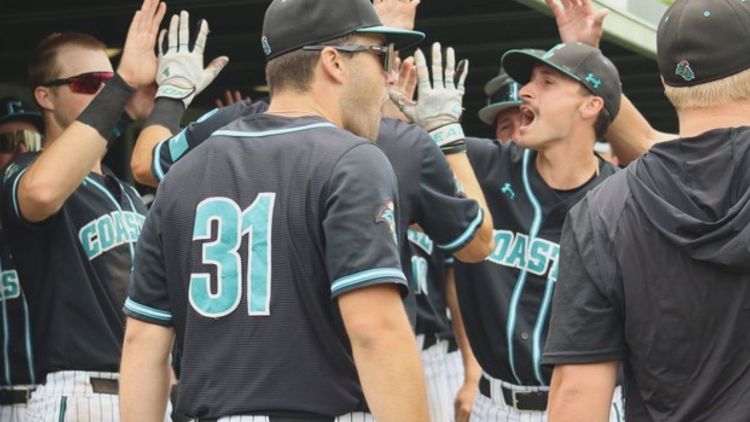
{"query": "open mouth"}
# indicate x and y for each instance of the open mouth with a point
(527, 116)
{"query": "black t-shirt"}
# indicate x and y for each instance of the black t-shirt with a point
(656, 272)
(74, 269)
(428, 265)
(426, 185)
(251, 238)
(505, 300)
(15, 330)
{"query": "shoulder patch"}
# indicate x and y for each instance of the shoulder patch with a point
(387, 214)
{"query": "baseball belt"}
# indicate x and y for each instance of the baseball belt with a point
(11, 397)
(519, 400)
(283, 419)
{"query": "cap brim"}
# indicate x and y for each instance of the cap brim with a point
(401, 38)
(519, 64)
(33, 118)
(488, 114)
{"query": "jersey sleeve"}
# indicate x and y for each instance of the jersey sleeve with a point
(148, 298)
(444, 213)
(360, 222)
(169, 151)
(9, 208)
(586, 324)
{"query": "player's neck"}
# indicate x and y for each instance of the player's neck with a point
(567, 165)
(693, 122)
(296, 104)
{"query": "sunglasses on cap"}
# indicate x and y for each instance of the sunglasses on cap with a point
(10, 142)
(387, 51)
(85, 83)
(506, 93)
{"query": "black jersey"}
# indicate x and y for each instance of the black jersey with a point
(427, 188)
(656, 273)
(428, 265)
(250, 239)
(15, 337)
(505, 300)
(74, 269)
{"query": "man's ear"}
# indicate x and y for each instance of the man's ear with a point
(591, 107)
(42, 96)
(333, 65)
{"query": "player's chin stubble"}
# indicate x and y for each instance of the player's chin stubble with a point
(361, 110)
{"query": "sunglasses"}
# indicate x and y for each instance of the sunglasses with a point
(85, 83)
(387, 51)
(10, 142)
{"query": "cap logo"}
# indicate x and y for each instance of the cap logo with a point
(593, 81)
(683, 70)
(266, 45)
(14, 107)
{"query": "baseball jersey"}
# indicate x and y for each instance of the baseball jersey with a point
(74, 269)
(250, 240)
(656, 267)
(15, 330)
(505, 299)
(427, 189)
(428, 265)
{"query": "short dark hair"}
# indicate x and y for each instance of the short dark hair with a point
(603, 119)
(44, 67)
(294, 70)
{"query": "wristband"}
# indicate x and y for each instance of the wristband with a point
(447, 134)
(106, 108)
(454, 147)
(168, 113)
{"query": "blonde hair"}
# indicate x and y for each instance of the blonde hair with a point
(734, 88)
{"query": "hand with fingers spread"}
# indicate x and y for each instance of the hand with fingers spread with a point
(397, 13)
(138, 63)
(230, 98)
(439, 106)
(577, 21)
(181, 75)
(404, 87)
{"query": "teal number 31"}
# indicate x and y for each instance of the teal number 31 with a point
(223, 253)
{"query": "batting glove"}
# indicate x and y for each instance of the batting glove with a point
(181, 75)
(439, 106)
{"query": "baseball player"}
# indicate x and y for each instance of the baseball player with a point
(71, 225)
(501, 110)
(20, 131)
(569, 96)
(655, 262)
(271, 250)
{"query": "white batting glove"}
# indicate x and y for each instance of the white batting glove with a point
(181, 75)
(439, 106)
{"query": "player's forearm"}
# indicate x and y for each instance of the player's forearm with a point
(582, 393)
(482, 243)
(631, 135)
(145, 372)
(143, 153)
(472, 370)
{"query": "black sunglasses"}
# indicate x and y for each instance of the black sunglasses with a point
(387, 51)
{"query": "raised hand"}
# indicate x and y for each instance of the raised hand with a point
(397, 13)
(577, 21)
(405, 85)
(181, 75)
(138, 63)
(231, 97)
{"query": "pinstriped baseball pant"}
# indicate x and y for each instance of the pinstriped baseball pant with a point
(68, 396)
(13, 413)
(443, 378)
(486, 409)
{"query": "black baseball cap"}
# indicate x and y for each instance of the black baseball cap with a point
(583, 63)
(502, 94)
(292, 24)
(700, 41)
(12, 109)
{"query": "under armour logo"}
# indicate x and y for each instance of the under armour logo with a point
(593, 81)
(165, 72)
(508, 190)
(683, 69)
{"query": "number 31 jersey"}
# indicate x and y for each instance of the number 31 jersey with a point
(249, 242)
